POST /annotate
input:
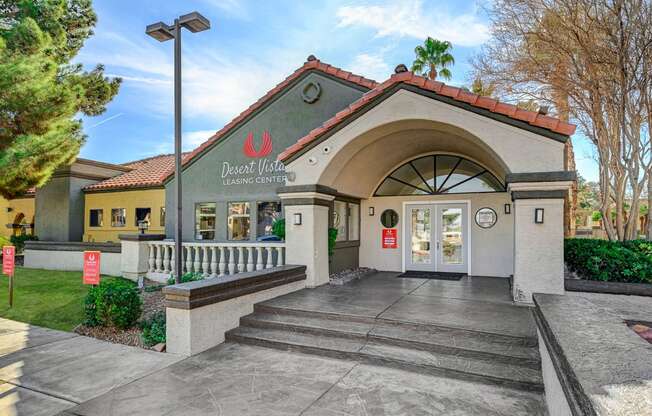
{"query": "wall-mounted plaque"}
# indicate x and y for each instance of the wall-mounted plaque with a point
(486, 217)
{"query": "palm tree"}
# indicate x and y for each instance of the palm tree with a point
(433, 58)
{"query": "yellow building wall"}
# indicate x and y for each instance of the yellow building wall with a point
(10, 211)
(130, 200)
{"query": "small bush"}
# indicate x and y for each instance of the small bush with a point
(19, 241)
(185, 278)
(332, 236)
(612, 261)
(114, 302)
(154, 329)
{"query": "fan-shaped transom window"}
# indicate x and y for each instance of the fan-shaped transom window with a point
(439, 174)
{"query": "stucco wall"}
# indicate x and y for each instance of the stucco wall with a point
(10, 209)
(504, 142)
(110, 264)
(52, 204)
(287, 119)
(129, 200)
(491, 249)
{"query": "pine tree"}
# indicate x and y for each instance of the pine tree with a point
(41, 92)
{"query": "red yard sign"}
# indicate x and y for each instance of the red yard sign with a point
(8, 260)
(390, 238)
(91, 267)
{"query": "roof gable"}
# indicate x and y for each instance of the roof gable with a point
(312, 64)
(542, 124)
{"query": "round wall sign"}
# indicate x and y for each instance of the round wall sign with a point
(389, 218)
(311, 92)
(486, 217)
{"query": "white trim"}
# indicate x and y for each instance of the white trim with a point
(428, 202)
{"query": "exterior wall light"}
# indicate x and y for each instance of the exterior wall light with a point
(538, 215)
(372, 211)
(297, 218)
(508, 208)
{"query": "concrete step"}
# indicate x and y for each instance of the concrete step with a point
(376, 352)
(440, 340)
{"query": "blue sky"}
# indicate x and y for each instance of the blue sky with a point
(252, 46)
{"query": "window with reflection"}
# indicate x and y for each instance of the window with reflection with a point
(439, 174)
(238, 222)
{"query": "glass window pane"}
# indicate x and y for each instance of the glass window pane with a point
(205, 221)
(239, 222)
(483, 183)
(445, 165)
(391, 187)
(354, 222)
(339, 220)
(96, 218)
(408, 174)
(268, 212)
(162, 222)
(426, 167)
(464, 171)
(143, 214)
(451, 236)
(420, 242)
(118, 217)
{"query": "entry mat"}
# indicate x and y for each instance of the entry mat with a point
(414, 274)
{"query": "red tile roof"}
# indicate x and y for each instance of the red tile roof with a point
(311, 64)
(145, 173)
(533, 118)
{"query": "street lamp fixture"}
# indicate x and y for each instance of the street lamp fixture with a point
(162, 32)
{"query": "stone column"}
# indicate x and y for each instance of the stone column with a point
(538, 247)
(135, 255)
(306, 244)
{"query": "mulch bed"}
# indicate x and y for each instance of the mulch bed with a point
(153, 302)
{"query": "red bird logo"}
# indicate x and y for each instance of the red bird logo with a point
(265, 149)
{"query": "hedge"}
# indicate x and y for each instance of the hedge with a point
(612, 261)
(113, 303)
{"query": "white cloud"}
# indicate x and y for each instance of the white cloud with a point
(371, 66)
(410, 19)
(214, 87)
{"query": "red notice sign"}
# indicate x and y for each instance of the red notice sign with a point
(8, 260)
(91, 267)
(390, 238)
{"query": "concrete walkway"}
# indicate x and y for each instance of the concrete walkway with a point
(43, 371)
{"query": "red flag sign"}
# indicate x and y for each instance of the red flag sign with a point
(8, 260)
(390, 238)
(91, 267)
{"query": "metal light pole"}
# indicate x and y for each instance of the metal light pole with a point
(194, 22)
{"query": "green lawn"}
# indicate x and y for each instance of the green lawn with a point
(53, 299)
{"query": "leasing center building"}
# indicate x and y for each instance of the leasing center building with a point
(414, 174)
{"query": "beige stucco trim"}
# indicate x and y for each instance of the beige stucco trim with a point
(540, 186)
(315, 195)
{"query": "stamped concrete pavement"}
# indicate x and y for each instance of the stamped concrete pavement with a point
(43, 371)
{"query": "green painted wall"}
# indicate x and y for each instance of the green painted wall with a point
(287, 119)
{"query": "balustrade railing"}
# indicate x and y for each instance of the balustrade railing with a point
(215, 259)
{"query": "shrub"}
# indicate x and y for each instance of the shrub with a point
(185, 278)
(278, 228)
(19, 241)
(154, 329)
(114, 302)
(641, 246)
(609, 260)
(332, 236)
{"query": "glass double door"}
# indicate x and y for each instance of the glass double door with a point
(436, 238)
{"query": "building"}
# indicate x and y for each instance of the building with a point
(414, 175)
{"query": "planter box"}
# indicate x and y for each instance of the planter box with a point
(614, 288)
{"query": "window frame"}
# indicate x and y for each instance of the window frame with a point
(280, 204)
(124, 224)
(228, 216)
(196, 230)
(347, 223)
(426, 189)
(136, 215)
(100, 217)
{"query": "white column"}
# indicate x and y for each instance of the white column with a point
(214, 261)
(307, 244)
(250, 259)
(259, 258)
(538, 248)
